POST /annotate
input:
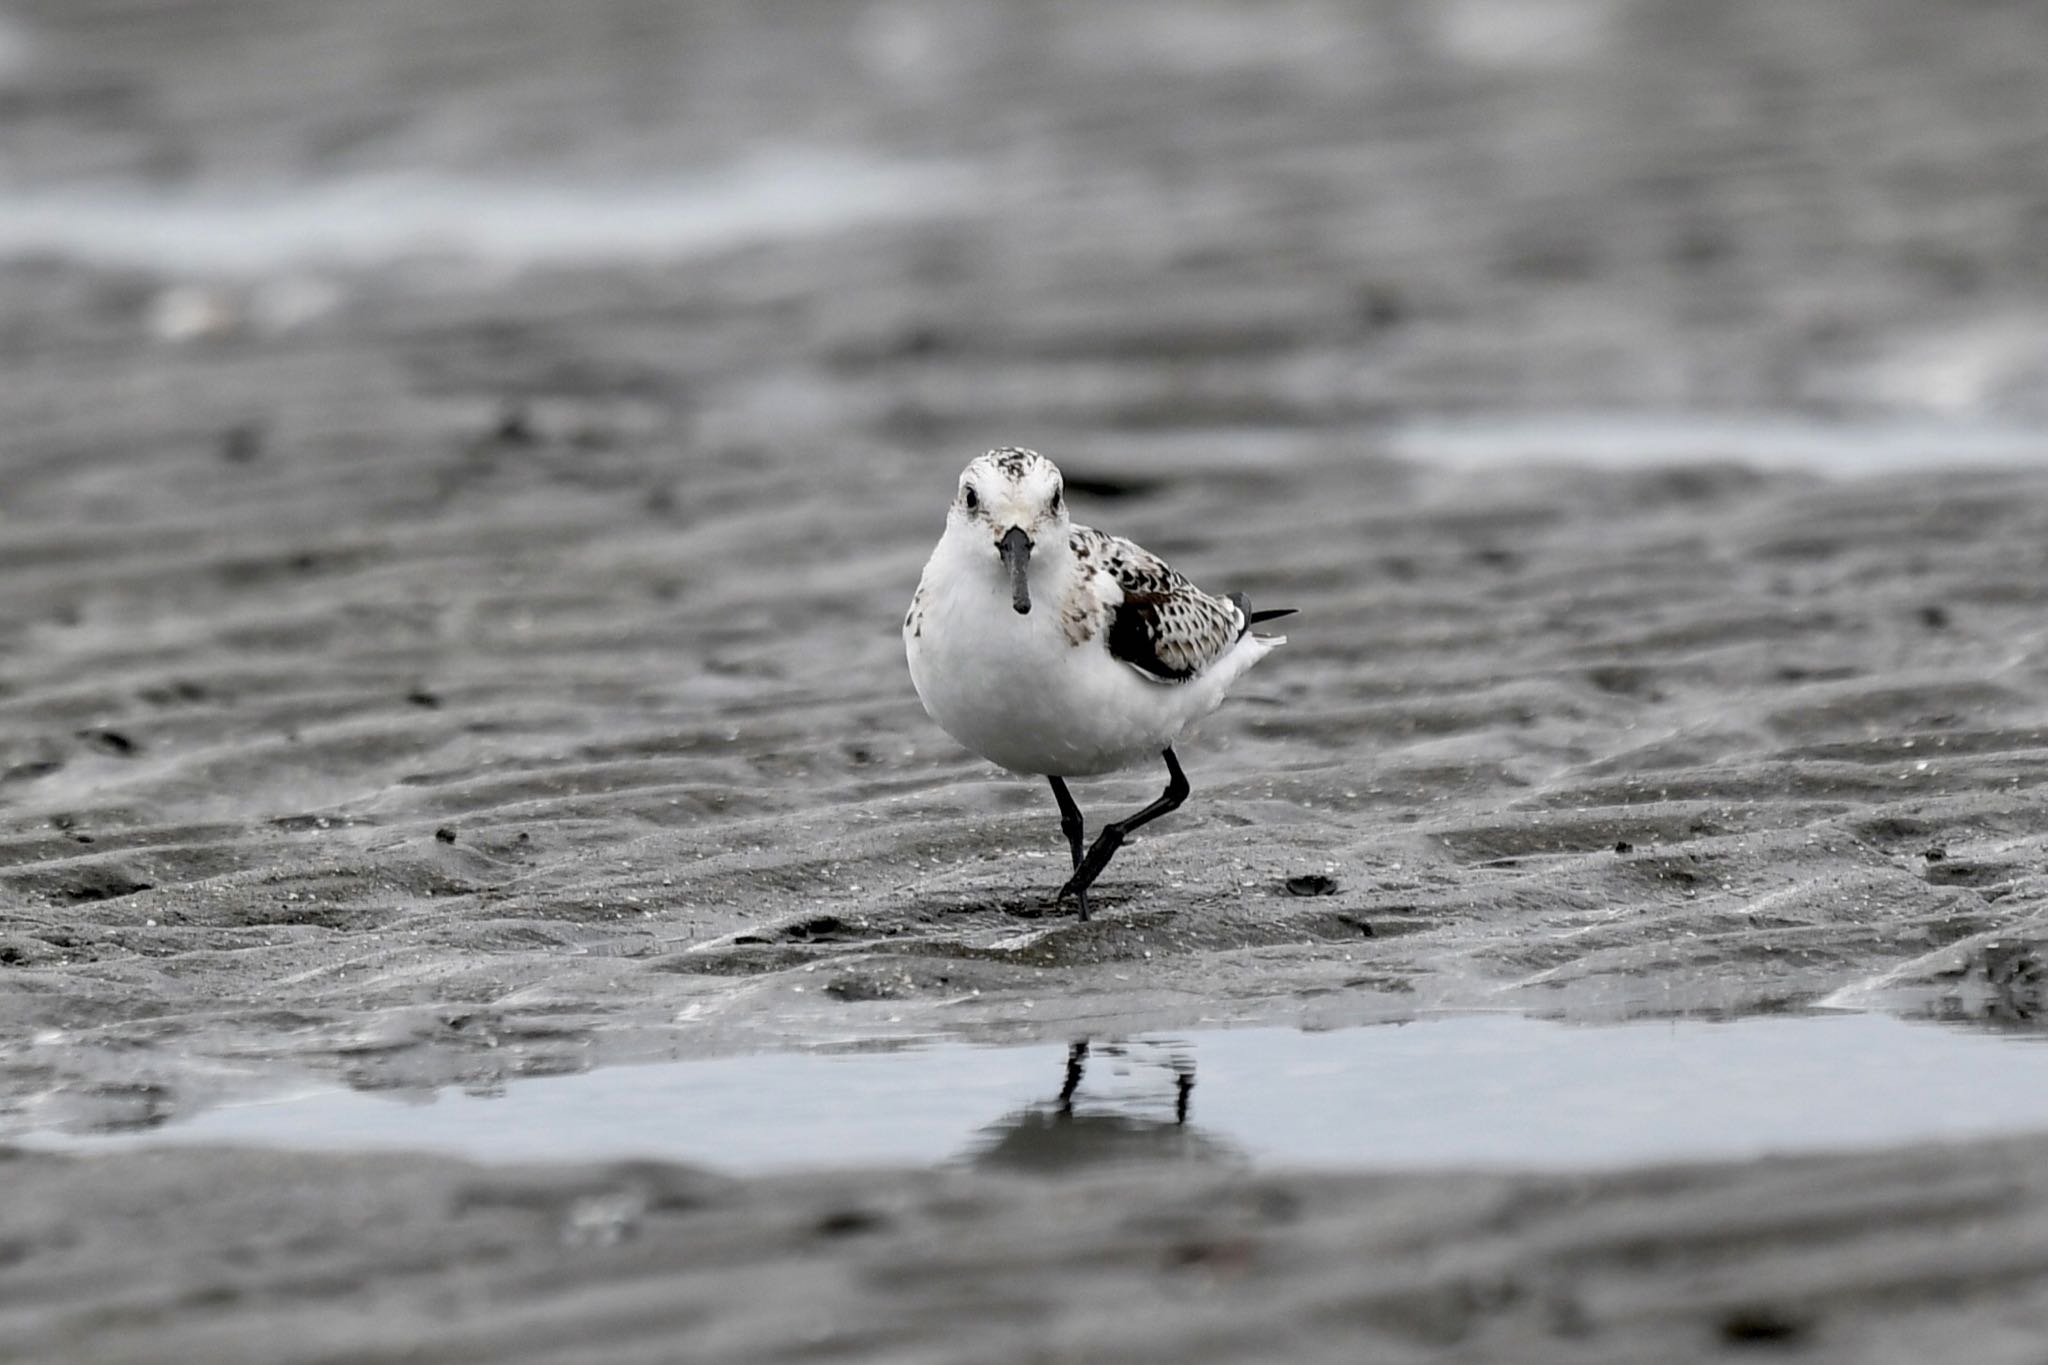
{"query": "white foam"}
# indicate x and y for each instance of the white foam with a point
(372, 221)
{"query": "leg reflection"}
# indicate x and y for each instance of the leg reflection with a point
(1127, 1114)
(1077, 1062)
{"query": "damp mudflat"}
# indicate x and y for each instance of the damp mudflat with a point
(1500, 1091)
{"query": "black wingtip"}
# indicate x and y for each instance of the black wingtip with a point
(1252, 618)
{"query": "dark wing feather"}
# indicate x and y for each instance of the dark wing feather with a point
(1164, 626)
(1136, 628)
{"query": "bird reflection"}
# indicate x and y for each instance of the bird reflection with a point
(1077, 1129)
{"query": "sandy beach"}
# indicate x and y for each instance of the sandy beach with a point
(461, 477)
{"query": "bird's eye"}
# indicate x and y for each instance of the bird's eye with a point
(969, 498)
(1058, 496)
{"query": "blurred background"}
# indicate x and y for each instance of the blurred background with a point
(936, 225)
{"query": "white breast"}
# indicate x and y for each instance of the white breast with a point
(1018, 691)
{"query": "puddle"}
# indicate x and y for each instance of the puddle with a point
(371, 221)
(1488, 1091)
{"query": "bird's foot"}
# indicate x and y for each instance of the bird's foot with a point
(1079, 893)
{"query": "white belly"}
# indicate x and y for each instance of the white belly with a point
(1016, 691)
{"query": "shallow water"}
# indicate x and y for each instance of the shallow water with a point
(1761, 440)
(369, 222)
(1487, 1091)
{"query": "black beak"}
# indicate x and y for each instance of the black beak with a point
(1015, 548)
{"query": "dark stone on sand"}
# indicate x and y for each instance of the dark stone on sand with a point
(1380, 306)
(514, 426)
(242, 443)
(1311, 884)
(1764, 1325)
(110, 742)
(851, 1223)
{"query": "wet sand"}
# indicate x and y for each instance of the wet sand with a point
(1903, 1256)
(431, 671)
(527, 776)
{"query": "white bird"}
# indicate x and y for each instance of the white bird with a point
(1054, 650)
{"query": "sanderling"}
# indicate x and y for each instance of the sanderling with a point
(1124, 656)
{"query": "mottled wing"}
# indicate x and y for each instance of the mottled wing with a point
(1158, 623)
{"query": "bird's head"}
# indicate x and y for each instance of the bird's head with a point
(1017, 500)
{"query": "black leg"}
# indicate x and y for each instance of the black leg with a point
(1070, 825)
(1070, 817)
(1112, 836)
